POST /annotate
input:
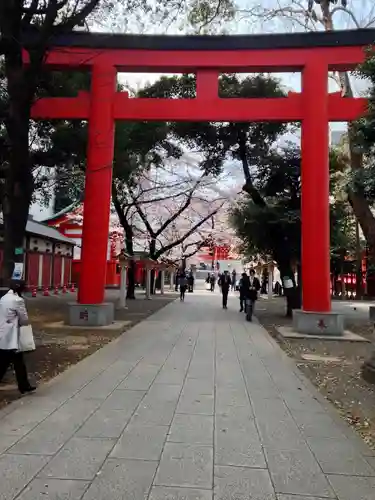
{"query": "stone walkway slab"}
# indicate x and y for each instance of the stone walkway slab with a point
(194, 403)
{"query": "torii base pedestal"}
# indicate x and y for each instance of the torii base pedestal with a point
(311, 323)
(91, 314)
(368, 370)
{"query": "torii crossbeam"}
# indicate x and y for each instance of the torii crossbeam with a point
(312, 54)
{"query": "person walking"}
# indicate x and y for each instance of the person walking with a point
(191, 281)
(225, 283)
(219, 280)
(212, 282)
(254, 287)
(244, 288)
(13, 315)
(176, 281)
(234, 280)
(183, 287)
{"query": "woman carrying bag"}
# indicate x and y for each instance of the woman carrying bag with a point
(14, 339)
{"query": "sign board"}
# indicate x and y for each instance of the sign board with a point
(18, 271)
(18, 251)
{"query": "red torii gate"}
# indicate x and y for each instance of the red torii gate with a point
(312, 54)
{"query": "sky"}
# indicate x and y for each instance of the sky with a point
(364, 11)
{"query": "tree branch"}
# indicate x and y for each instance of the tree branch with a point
(79, 18)
(193, 252)
(34, 10)
(348, 12)
(212, 18)
(145, 221)
(186, 235)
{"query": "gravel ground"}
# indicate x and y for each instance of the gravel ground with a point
(337, 371)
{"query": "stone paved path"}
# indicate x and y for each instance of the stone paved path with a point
(192, 404)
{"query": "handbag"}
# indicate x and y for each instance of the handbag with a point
(26, 341)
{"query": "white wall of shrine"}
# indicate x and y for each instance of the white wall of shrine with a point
(76, 236)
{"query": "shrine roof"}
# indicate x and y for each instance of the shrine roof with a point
(343, 38)
(62, 213)
(44, 231)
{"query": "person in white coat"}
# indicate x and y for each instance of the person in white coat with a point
(13, 315)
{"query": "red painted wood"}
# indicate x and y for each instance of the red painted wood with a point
(32, 269)
(315, 190)
(203, 109)
(57, 270)
(103, 106)
(188, 61)
(97, 204)
(112, 278)
(67, 267)
(47, 270)
(76, 271)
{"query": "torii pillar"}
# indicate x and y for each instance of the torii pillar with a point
(91, 310)
(316, 316)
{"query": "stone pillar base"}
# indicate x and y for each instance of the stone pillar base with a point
(368, 370)
(311, 323)
(91, 314)
(372, 313)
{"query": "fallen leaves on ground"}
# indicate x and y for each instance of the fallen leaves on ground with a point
(340, 383)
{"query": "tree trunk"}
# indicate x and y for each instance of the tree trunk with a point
(343, 290)
(359, 281)
(130, 293)
(129, 238)
(153, 256)
(18, 183)
(19, 180)
(128, 229)
(357, 199)
(152, 281)
(158, 280)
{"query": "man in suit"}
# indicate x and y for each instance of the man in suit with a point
(234, 280)
(225, 283)
(254, 287)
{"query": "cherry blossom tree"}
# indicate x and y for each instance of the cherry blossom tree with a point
(168, 209)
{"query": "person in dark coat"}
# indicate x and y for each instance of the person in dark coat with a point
(254, 287)
(183, 287)
(234, 279)
(225, 284)
(212, 282)
(191, 282)
(244, 288)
